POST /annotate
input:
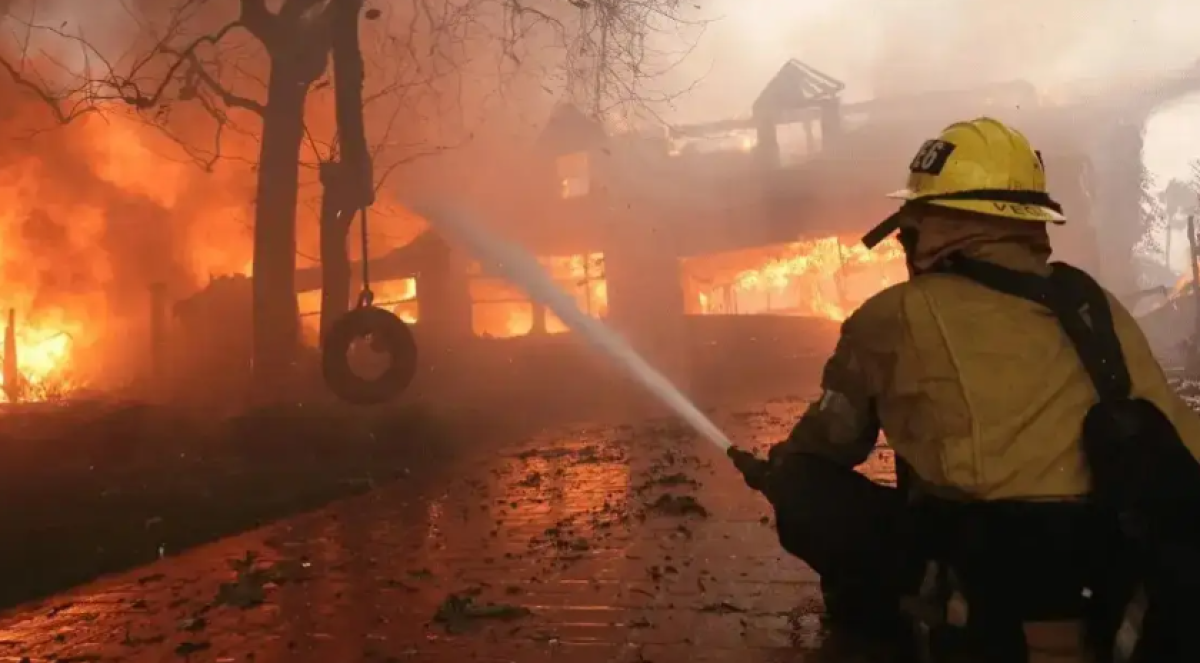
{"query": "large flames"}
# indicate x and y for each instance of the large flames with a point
(95, 214)
(498, 309)
(828, 278)
(91, 218)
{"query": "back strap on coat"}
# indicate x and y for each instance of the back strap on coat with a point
(1081, 307)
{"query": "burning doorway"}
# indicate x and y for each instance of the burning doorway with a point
(501, 310)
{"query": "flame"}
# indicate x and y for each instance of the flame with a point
(92, 216)
(43, 362)
(46, 248)
(396, 295)
(827, 277)
(93, 213)
(500, 310)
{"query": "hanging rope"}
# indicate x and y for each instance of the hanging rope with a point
(386, 332)
(365, 296)
(356, 192)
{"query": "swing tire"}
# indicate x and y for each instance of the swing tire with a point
(388, 332)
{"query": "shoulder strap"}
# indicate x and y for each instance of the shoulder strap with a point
(1070, 294)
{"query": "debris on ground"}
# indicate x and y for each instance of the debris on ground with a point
(189, 648)
(243, 593)
(673, 480)
(722, 608)
(248, 588)
(193, 624)
(668, 504)
(459, 611)
(532, 480)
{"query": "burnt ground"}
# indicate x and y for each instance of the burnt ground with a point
(93, 488)
(599, 543)
(625, 543)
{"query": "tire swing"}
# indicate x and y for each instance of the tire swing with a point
(387, 334)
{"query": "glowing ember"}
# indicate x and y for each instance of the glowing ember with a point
(828, 278)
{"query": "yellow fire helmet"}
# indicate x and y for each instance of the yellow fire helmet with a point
(982, 166)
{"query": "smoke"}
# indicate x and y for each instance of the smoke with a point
(92, 214)
(884, 47)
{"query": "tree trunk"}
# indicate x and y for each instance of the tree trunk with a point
(275, 317)
(347, 183)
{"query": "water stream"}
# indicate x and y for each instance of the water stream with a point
(519, 267)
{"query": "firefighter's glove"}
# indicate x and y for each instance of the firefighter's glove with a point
(754, 469)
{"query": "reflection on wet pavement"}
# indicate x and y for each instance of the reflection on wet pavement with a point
(596, 544)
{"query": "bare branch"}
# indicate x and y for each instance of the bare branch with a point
(131, 94)
(228, 98)
(61, 106)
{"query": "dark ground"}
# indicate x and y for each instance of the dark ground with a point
(614, 543)
(600, 543)
(90, 489)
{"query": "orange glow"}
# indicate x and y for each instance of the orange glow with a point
(396, 295)
(827, 278)
(91, 215)
(46, 245)
(500, 310)
(95, 212)
(43, 361)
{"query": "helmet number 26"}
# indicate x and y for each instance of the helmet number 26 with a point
(931, 158)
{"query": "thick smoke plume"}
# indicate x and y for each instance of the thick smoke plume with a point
(94, 213)
(883, 47)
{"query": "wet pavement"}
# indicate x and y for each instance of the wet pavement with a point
(622, 543)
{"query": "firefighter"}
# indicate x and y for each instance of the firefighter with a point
(982, 396)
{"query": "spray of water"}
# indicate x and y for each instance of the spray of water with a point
(517, 266)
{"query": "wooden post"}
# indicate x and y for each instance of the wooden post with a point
(12, 373)
(1194, 360)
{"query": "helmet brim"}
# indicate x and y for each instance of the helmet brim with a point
(1031, 213)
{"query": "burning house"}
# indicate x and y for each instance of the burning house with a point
(705, 243)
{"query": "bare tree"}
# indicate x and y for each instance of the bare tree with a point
(1176, 199)
(209, 69)
(239, 60)
(181, 66)
(618, 51)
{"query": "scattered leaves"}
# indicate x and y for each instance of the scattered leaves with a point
(458, 611)
(678, 506)
(722, 608)
(188, 648)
